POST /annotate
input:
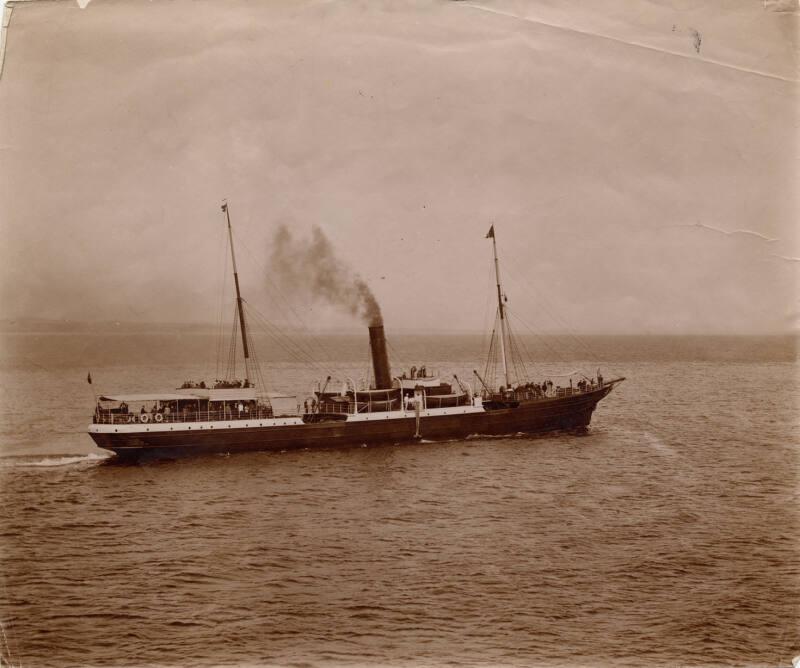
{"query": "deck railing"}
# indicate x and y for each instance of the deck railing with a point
(107, 417)
(340, 407)
(521, 394)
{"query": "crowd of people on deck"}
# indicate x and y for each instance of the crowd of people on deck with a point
(414, 373)
(231, 384)
(545, 388)
(191, 385)
(219, 384)
(535, 389)
(172, 411)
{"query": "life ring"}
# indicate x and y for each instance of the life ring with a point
(144, 418)
(159, 417)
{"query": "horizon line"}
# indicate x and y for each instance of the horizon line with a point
(208, 327)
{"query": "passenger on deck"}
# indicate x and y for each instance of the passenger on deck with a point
(305, 406)
(143, 411)
(413, 372)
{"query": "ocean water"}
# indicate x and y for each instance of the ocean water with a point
(665, 536)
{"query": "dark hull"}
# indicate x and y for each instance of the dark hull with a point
(538, 416)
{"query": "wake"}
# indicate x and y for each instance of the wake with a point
(55, 460)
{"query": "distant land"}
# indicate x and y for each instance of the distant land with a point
(53, 326)
(40, 343)
(47, 326)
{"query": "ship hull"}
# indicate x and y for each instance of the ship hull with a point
(531, 417)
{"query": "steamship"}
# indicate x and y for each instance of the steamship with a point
(235, 415)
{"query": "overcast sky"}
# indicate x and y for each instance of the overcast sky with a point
(617, 146)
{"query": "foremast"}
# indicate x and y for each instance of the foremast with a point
(501, 308)
(239, 305)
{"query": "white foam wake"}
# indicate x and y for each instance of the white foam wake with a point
(63, 460)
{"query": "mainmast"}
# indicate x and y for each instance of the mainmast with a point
(501, 307)
(238, 297)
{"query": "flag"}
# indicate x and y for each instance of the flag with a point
(224, 207)
(89, 378)
(490, 233)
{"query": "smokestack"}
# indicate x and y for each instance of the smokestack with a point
(380, 359)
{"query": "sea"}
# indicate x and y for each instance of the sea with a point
(666, 535)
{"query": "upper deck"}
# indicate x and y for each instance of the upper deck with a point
(192, 406)
(243, 404)
(119, 416)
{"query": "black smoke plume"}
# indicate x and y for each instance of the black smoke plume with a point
(313, 268)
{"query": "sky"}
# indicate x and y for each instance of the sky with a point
(638, 160)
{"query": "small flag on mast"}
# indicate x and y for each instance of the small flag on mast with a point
(490, 233)
(89, 378)
(224, 207)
